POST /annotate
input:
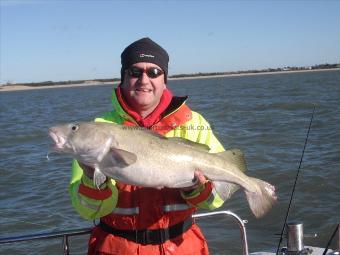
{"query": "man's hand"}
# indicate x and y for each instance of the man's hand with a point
(88, 171)
(199, 180)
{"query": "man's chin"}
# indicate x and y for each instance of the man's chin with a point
(144, 98)
(142, 103)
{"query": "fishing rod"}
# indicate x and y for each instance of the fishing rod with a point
(295, 182)
(330, 240)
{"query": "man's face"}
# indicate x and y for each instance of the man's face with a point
(143, 93)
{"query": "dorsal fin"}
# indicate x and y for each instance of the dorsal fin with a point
(152, 133)
(178, 140)
(146, 131)
(235, 156)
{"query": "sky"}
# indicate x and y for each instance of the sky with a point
(57, 40)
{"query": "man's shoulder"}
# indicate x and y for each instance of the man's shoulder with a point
(110, 117)
(198, 117)
(175, 104)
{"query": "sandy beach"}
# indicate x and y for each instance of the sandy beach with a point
(16, 87)
(23, 87)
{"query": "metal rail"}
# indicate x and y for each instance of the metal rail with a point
(48, 235)
(77, 232)
(241, 224)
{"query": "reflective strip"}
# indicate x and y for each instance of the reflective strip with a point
(203, 196)
(166, 208)
(126, 211)
(94, 193)
(176, 207)
(88, 205)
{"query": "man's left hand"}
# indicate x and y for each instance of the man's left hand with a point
(199, 179)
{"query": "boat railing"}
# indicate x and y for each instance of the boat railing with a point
(241, 223)
(78, 232)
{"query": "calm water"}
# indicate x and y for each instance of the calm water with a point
(267, 116)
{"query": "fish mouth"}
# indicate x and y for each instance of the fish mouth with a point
(58, 140)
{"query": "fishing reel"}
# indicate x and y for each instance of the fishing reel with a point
(295, 246)
(294, 234)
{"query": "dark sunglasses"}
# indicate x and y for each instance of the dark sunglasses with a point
(151, 72)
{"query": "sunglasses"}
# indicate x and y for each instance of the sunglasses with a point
(151, 72)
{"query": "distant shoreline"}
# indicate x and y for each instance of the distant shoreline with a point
(18, 87)
(7, 88)
(253, 74)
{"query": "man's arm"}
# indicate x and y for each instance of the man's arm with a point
(205, 196)
(91, 203)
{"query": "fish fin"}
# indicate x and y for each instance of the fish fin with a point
(191, 144)
(150, 132)
(104, 149)
(123, 158)
(235, 156)
(98, 177)
(262, 199)
(225, 189)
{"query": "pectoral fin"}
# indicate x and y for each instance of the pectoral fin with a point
(123, 158)
(98, 177)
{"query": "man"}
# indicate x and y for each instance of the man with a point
(139, 220)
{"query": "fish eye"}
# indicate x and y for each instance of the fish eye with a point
(74, 127)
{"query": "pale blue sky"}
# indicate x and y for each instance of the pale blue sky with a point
(69, 40)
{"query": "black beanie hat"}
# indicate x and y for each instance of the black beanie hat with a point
(144, 50)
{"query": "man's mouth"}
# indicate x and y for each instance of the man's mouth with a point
(144, 90)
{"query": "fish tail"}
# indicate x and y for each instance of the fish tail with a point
(262, 199)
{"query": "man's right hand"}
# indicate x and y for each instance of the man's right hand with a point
(88, 171)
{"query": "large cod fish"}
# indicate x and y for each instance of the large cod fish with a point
(137, 156)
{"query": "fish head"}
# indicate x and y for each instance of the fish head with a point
(83, 141)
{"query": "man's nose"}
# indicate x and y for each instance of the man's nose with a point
(144, 78)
